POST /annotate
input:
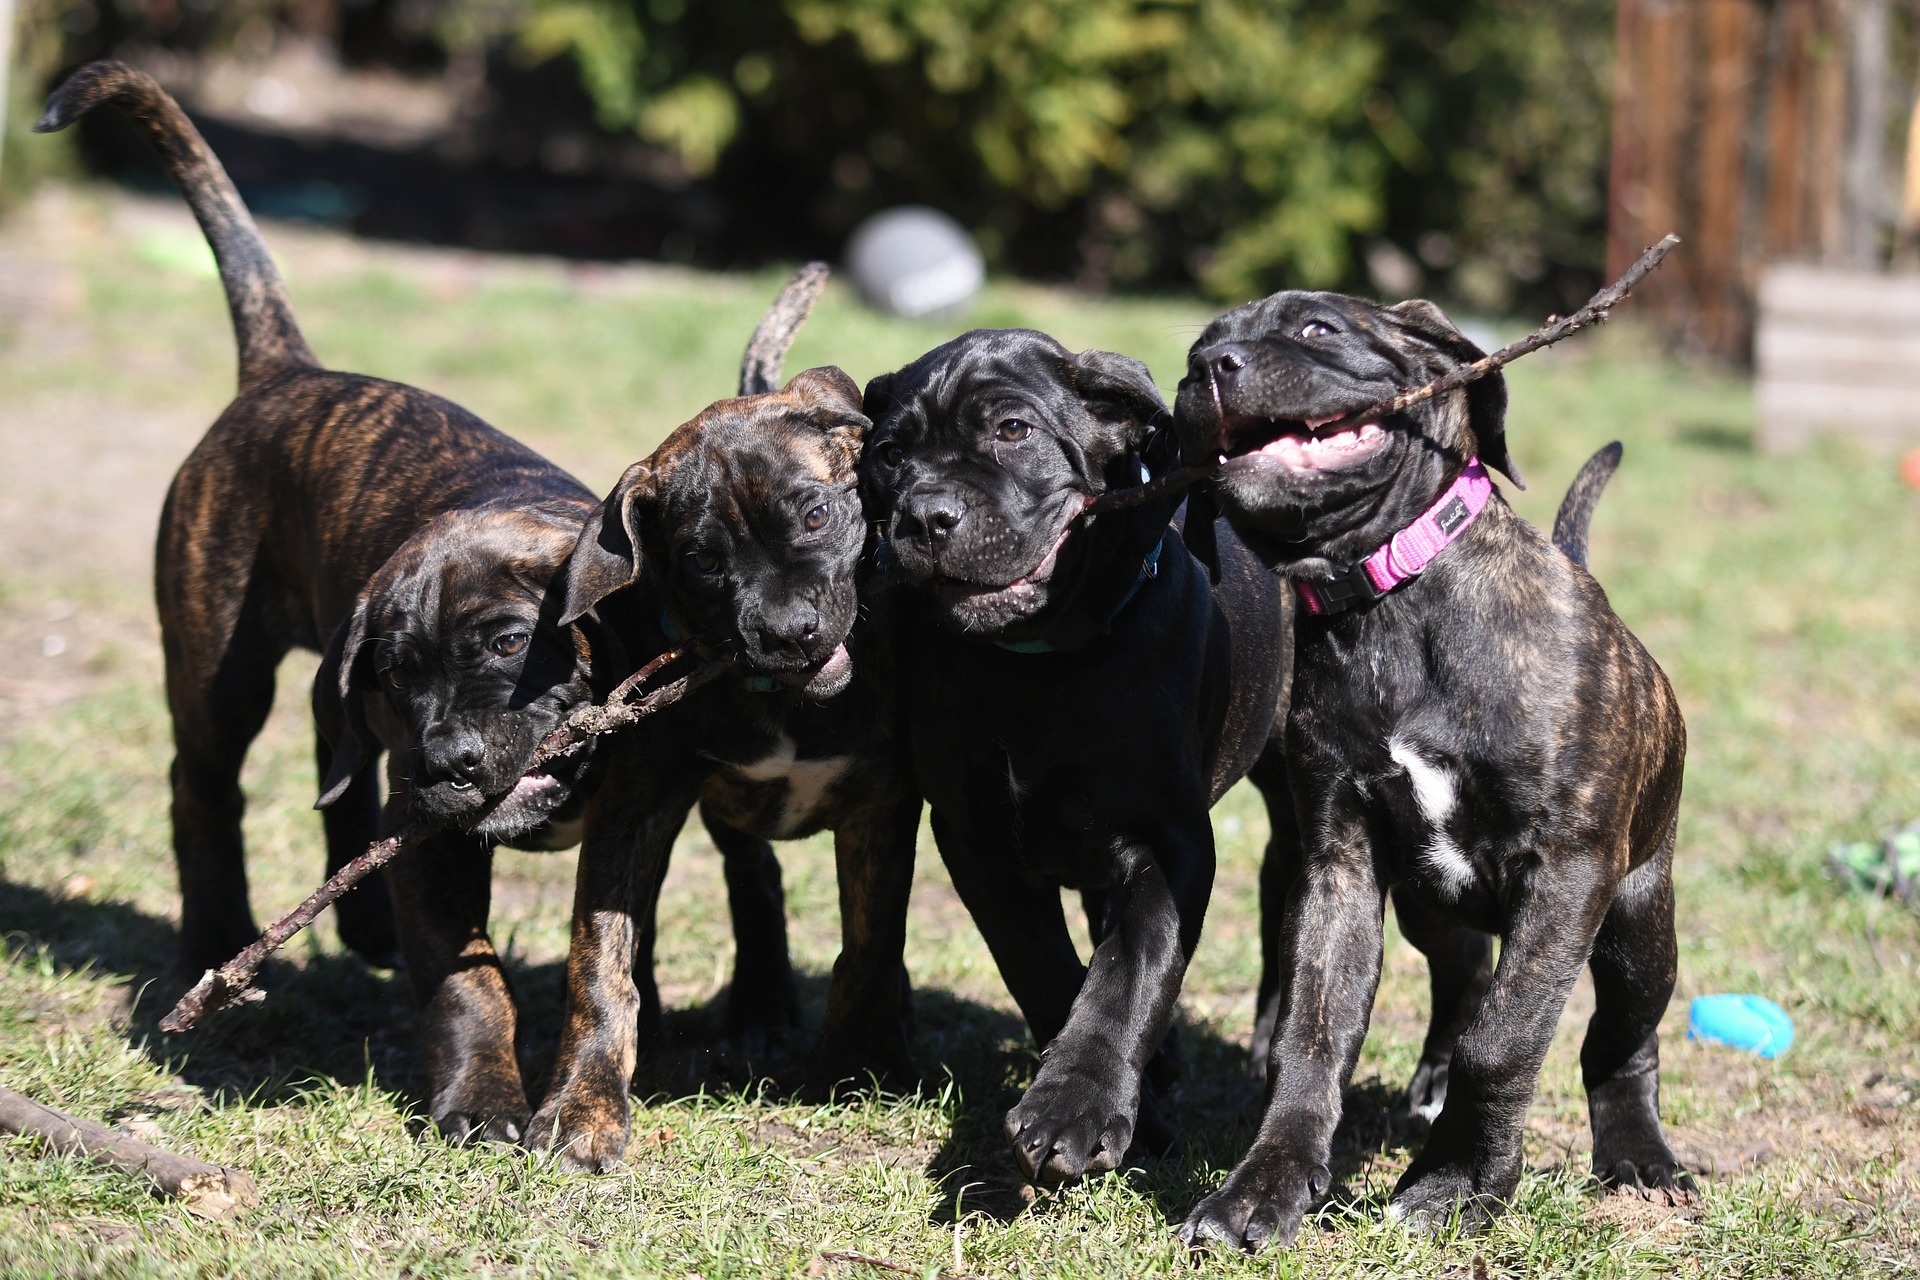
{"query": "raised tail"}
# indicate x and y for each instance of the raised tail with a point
(1583, 495)
(263, 323)
(767, 348)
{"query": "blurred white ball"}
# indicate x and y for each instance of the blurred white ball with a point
(914, 260)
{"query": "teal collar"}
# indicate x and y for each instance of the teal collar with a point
(755, 684)
(1149, 570)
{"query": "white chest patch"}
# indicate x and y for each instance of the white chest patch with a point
(1434, 792)
(808, 781)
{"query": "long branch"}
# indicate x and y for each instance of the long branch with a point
(210, 1190)
(1554, 330)
(233, 980)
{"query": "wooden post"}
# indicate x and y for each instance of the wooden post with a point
(1866, 169)
(1721, 292)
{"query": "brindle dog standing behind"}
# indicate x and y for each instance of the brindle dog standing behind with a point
(743, 531)
(417, 545)
(1487, 741)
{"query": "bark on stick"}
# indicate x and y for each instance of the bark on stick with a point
(233, 981)
(209, 1190)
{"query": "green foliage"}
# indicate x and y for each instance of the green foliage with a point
(26, 160)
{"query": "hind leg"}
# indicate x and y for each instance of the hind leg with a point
(364, 914)
(1278, 871)
(217, 711)
(764, 1003)
(1633, 975)
(1460, 965)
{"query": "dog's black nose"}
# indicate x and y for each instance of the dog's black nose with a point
(793, 632)
(931, 517)
(453, 755)
(1218, 362)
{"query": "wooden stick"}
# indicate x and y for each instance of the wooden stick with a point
(233, 980)
(1554, 330)
(209, 1190)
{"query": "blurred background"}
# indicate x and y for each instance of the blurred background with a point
(1498, 155)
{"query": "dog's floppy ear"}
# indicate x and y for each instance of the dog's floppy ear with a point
(1486, 398)
(831, 401)
(1119, 389)
(606, 557)
(343, 679)
(878, 399)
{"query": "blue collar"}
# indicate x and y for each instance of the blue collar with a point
(755, 684)
(1149, 569)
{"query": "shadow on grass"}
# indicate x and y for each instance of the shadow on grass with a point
(1214, 1106)
(332, 1017)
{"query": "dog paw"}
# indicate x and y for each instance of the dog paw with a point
(848, 1062)
(1653, 1177)
(762, 1017)
(1427, 1095)
(581, 1137)
(1428, 1202)
(1262, 1203)
(1071, 1124)
(463, 1126)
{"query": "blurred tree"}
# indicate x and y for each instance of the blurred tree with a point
(1457, 146)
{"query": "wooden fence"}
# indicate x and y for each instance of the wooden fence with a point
(1758, 129)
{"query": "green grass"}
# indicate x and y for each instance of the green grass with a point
(1781, 594)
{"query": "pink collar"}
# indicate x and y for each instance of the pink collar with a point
(1408, 551)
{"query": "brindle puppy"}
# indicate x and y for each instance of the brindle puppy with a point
(1078, 696)
(417, 545)
(1486, 740)
(742, 528)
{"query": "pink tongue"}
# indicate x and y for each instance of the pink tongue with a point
(1316, 451)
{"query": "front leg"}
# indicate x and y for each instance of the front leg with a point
(441, 889)
(1330, 958)
(630, 828)
(1079, 1116)
(1472, 1161)
(869, 1004)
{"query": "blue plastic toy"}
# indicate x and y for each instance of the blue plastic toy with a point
(1753, 1023)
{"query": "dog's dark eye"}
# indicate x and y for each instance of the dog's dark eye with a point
(1012, 431)
(1315, 329)
(892, 455)
(816, 519)
(705, 561)
(511, 645)
(397, 677)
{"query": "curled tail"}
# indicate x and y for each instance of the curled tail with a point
(263, 323)
(767, 348)
(1583, 495)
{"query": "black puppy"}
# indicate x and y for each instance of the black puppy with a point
(417, 546)
(1078, 696)
(742, 533)
(1471, 727)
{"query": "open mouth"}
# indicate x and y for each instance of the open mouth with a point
(1298, 444)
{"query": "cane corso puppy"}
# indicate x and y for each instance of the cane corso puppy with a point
(416, 546)
(742, 535)
(1078, 695)
(1472, 729)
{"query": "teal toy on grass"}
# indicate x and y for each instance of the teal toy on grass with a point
(1753, 1023)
